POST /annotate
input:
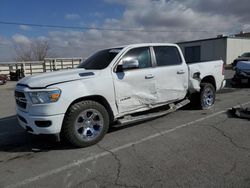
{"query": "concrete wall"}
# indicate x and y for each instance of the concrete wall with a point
(214, 49)
(236, 47)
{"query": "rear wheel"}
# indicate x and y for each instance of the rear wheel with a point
(207, 96)
(85, 123)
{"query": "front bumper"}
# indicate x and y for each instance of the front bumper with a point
(29, 123)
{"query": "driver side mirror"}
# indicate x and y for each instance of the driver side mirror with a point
(128, 63)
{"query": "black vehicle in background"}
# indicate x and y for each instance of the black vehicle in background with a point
(3, 79)
(16, 75)
(243, 57)
(242, 73)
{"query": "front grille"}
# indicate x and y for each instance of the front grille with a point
(21, 101)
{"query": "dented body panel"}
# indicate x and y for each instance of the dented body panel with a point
(133, 91)
(199, 71)
(172, 85)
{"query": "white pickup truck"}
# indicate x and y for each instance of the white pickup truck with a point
(118, 84)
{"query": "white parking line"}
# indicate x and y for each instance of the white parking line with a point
(105, 153)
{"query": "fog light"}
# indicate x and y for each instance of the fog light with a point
(43, 123)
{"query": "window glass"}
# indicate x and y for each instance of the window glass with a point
(246, 55)
(100, 59)
(167, 55)
(141, 54)
(193, 54)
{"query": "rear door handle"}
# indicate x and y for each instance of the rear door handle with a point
(150, 76)
(180, 72)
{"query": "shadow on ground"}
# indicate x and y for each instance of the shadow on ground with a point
(14, 139)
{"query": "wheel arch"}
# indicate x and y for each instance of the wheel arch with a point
(209, 79)
(97, 98)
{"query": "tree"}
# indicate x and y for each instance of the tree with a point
(34, 51)
(40, 50)
(23, 52)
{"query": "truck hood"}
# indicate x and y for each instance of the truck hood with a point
(46, 79)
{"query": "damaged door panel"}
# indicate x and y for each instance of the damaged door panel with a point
(133, 91)
(172, 74)
(135, 87)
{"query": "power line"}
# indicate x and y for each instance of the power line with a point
(104, 28)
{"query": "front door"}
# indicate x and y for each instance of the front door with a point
(135, 88)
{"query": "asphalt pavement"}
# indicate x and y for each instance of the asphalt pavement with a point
(188, 148)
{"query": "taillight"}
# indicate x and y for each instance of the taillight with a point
(223, 69)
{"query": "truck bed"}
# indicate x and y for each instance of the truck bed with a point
(200, 70)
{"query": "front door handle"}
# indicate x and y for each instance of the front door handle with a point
(150, 76)
(180, 72)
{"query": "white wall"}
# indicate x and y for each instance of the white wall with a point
(236, 47)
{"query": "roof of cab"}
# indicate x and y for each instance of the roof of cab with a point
(144, 44)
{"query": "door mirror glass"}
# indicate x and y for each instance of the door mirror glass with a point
(130, 63)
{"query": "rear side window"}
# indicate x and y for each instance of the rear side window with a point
(167, 55)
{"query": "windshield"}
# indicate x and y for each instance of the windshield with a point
(246, 54)
(100, 60)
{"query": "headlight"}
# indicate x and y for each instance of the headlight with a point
(41, 97)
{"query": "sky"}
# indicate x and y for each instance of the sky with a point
(147, 20)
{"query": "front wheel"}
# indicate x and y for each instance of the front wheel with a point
(207, 96)
(85, 123)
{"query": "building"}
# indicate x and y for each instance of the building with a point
(243, 34)
(226, 48)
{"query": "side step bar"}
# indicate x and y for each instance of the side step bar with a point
(135, 119)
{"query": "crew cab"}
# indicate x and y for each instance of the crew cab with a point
(113, 84)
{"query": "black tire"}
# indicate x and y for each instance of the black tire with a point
(206, 102)
(71, 119)
(236, 82)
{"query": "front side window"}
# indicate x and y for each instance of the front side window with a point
(100, 60)
(141, 54)
(167, 55)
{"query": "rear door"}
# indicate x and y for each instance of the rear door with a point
(135, 88)
(171, 74)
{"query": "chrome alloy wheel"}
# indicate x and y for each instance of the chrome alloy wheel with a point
(208, 97)
(89, 124)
